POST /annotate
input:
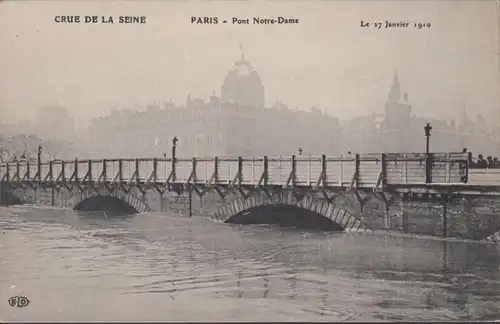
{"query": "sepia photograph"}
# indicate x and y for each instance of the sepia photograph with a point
(226, 160)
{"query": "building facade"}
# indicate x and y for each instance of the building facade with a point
(52, 128)
(399, 130)
(236, 124)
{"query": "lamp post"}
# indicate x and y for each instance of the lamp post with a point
(427, 130)
(428, 160)
(39, 160)
(39, 155)
(174, 146)
(300, 150)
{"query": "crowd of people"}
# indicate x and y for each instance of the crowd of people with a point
(482, 163)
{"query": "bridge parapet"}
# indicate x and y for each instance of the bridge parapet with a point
(353, 181)
(375, 171)
(484, 177)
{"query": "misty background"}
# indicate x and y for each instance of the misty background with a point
(58, 79)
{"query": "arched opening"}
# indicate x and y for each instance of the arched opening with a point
(110, 204)
(286, 216)
(8, 199)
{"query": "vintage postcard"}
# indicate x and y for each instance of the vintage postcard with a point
(249, 160)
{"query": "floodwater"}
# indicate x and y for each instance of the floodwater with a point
(87, 267)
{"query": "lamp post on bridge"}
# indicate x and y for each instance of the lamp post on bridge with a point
(39, 154)
(427, 130)
(174, 146)
(189, 189)
(428, 176)
(39, 159)
(428, 160)
(300, 150)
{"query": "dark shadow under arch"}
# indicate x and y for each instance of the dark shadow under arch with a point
(106, 203)
(9, 199)
(310, 207)
(286, 216)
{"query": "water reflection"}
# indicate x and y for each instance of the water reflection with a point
(299, 273)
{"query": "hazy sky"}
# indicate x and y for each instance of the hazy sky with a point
(326, 59)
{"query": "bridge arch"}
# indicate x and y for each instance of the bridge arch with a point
(335, 214)
(113, 199)
(13, 197)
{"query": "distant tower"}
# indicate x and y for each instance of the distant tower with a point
(397, 109)
(243, 84)
(395, 92)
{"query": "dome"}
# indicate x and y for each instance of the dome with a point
(243, 85)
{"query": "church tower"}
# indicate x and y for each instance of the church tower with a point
(397, 107)
(397, 126)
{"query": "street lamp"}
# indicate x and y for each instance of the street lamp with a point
(428, 160)
(427, 129)
(39, 153)
(300, 150)
(174, 146)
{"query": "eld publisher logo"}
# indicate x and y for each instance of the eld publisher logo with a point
(19, 301)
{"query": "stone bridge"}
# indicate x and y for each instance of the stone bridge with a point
(283, 207)
(286, 207)
(434, 193)
(90, 199)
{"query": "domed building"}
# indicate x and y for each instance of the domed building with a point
(236, 124)
(243, 85)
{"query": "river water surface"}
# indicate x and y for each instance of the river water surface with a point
(87, 267)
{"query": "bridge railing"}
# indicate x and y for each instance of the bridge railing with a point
(360, 170)
(484, 177)
(411, 168)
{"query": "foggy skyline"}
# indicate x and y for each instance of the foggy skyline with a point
(326, 59)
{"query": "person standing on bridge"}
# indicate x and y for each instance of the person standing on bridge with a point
(481, 162)
(489, 160)
(496, 164)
